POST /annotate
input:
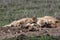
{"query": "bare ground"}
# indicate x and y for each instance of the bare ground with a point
(15, 31)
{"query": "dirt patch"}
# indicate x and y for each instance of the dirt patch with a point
(35, 31)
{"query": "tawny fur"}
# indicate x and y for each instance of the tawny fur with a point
(49, 20)
(40, 21)
(23, 21)
(52, 21)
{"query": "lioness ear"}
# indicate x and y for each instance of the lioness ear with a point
(57, 21)
(34, 18)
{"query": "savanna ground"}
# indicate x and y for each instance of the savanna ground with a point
(11, 10)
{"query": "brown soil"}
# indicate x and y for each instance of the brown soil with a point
(15, 31)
